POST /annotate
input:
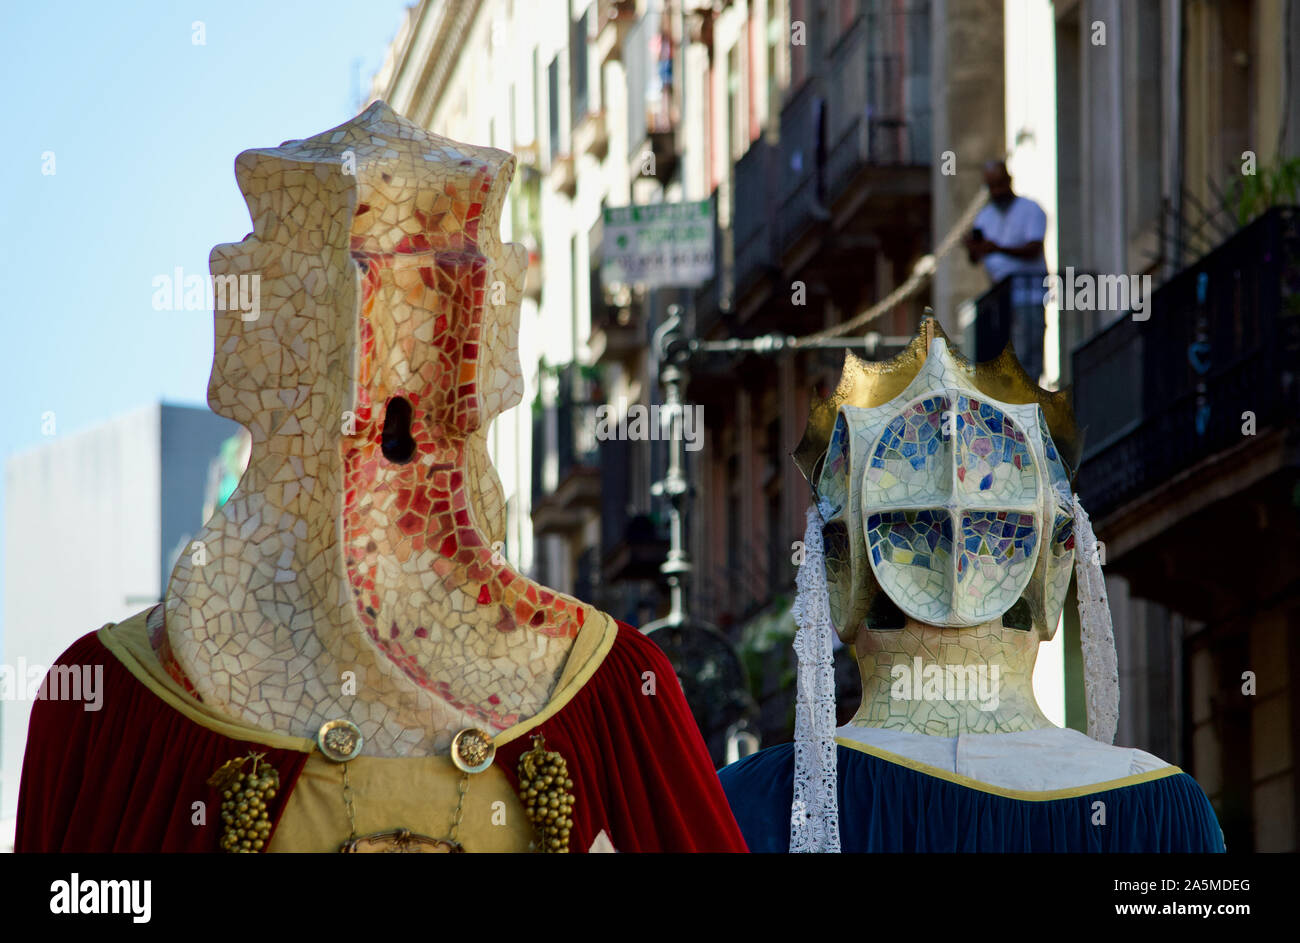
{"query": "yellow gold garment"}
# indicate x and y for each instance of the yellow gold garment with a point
(414, 793)
(420, 793)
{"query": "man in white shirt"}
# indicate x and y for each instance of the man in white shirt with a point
(1008, 238)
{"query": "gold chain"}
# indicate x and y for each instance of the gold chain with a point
(460, 807)
(347, 801)
(462, 789)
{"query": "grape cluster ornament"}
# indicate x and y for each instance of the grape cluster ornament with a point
(547, 793)
(246, 803)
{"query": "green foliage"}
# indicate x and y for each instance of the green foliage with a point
(773, 630)
(592, 376)
(590, 373)
(1271, 185)
(526, 207)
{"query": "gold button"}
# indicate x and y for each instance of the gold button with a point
(339, 740)
(472, 750)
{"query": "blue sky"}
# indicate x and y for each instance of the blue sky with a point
(144, 126)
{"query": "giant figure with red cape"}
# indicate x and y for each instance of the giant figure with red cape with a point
(344, 660)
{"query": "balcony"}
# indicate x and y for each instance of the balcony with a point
(616, 331)
(1012, 311)
(650, 118)
(632, 544)
(1163, 401)
(800, 188)
(618, 327)
(563, 175)
(591, 136)
(614, 18)
(877, 96)
(754, 215)
(566, 463)
(843, 187)
(713, 298)
(655, 157)
(854, 153)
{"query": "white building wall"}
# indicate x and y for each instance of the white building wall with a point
(82, 549)
(1030, 102)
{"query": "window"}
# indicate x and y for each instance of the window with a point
(553, 104)
(735, 106)
(776, 39)
(1142, 87)
(512, 126)
(535, 133)
(578, 67)
(636, 65)
(575, 309)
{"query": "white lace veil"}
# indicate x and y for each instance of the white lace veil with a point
(814, 813)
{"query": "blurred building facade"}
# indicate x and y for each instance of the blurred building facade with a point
(1179, 146)
(809, 125)
(838, 141)
(95, 522)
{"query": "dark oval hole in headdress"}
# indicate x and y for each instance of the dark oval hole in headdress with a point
(397, 444)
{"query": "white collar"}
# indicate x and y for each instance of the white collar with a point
(1027, 760)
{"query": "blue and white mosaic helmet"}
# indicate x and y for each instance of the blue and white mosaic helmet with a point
(954, 503)
(945, 493)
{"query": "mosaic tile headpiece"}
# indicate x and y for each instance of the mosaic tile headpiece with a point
(362, 190)
(944, 489)
(364, 536)
(941, 490)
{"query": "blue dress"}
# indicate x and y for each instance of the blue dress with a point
(890, 803)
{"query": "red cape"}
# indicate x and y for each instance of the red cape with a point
(126, 777)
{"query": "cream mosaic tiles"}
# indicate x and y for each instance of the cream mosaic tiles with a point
(352, 573)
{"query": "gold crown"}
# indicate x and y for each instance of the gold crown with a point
(866, 383)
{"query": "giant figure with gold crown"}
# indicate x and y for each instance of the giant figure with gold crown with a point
(940, 544)
(342, 661)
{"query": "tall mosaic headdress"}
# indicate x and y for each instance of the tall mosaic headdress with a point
(941, 491)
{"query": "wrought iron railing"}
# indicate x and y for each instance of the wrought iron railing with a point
(633, 543)
(866, 104)
(754, 213)
(1222, 339)
(713, 299)
(564, 431)
(801, 188)
(877, 92)
(1010, 311)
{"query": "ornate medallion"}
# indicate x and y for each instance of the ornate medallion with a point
(472, 750)
(339, 740)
